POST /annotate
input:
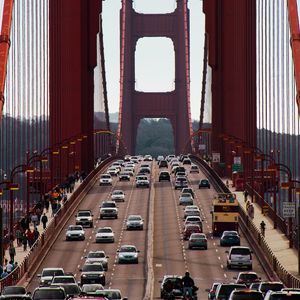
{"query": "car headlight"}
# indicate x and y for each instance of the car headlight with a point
(77, 219)
(83, 275)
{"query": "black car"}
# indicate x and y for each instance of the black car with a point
(163, 164)
(179, 169)
(92, 273)
(230, 238)
(204, 183)
(164, 175)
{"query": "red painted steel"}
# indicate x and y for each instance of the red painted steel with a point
(137, 105)
(231, 29)
(73, 28)
(4, 46)
(295, 43)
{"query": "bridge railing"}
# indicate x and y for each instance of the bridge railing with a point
(274, 269)
(41, 247)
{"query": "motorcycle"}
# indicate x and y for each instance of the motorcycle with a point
(190, 295)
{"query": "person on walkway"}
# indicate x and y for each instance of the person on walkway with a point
(246, 195)
(36, 234)
(12, 252)
(251, 211)
(44, 220)
(24, 241)
(9, 267)
(19, 237)
(4, 274)
(34, 219)
(30, 237)
(262, 227)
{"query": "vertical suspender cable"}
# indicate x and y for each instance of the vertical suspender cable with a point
(203, 91)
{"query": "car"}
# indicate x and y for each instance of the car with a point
(246, 295)
(117, 165)
(129, 171)
(108, 209)
(16, 297)
(180, 183)
(47, 275)
(97, 257)
(170, 157)
(113, 171)
(75, 232)
(239, 257)
(159, 158)
(186, 161)
(193, 220)
(266, 286)
(204, 183)
(189, 229)
(290, 290)
(91, 289)
(105, 179)
(247, 278)
(13, 290)
(142, 181)
(163, 164)
(148, 158)
(188, 190)
(230, 238)
(282, 295)
(92, 273)
(111, 294)
(175, 281)
(186, 199)
(194, 169)
(46, 293)
(105, 235)
(124, 176)
(145, 170)
(254, 286)
(63, 279)
(179, 169)
(212, 291)
(192, 210)
(181, 174)
(164, 176)
(71, 289)
(134, 222)
(118, 195)
(128, 254)
(84, 218)
(224, 290)
(198, 240)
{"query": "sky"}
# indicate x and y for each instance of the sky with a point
(154, 56)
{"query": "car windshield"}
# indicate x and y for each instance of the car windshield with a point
(117, 193)
(192, 227)
(240, 251)
(128, 249)
(96, 255)
(105, 176)
(108, 204)
(230, 233)
(52, 272)
(91, 288)
(92, 268)
(284, 297)
(14, 290)
(186, 195)
(193, 219)
(134, 218)
(271, 286)
(71, 289)
(245, 276)
(49, 294)
(68, 279)
(225, 290)
(198, 236)
(101, 230)
(74, 228)
(111, 295)
(84, 213)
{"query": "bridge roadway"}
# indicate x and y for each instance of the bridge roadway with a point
(171, 255)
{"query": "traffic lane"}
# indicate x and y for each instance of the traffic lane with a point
(69, 254)
(131, 279)
(204, 198)
(169, 252)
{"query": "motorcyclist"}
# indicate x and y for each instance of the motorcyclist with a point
(188, 284)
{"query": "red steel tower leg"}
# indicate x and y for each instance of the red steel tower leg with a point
(136, 105)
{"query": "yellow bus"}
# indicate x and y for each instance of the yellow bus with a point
(225, 213)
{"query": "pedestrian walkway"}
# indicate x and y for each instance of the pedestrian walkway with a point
(276, 240)
(20, 253)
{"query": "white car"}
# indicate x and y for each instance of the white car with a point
(194, 169)
(105, 235)
(134, 222)
(105, 179)
(192, 210)
(128, 254)
(113, 171)
(108, 209)
(97, 257)
(47, 275)
(129, 171)
(75, 232)
(142, 181)
(186, 199)
(84, 218)
(118, 195)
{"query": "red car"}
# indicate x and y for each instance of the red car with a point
(189, 229)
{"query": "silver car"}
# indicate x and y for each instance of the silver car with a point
(105, 235)
(135, 222)
(109, 209)
(118, 195)
(75, 232)
(99, 257)
(128, 254)
(186, 199)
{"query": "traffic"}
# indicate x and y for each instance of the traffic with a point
(197, 250)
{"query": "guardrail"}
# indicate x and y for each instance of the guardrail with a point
(41, 247)
(268, 260)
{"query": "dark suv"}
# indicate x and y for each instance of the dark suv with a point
(163, 164)
(164, 175)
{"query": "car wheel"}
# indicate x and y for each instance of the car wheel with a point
(91, 225)
(116, 217)
(205, 248)
(101, 217)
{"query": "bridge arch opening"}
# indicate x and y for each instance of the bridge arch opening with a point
(155, 65)
(154, 6)
(155, 137)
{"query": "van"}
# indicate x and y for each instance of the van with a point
(239, 257)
